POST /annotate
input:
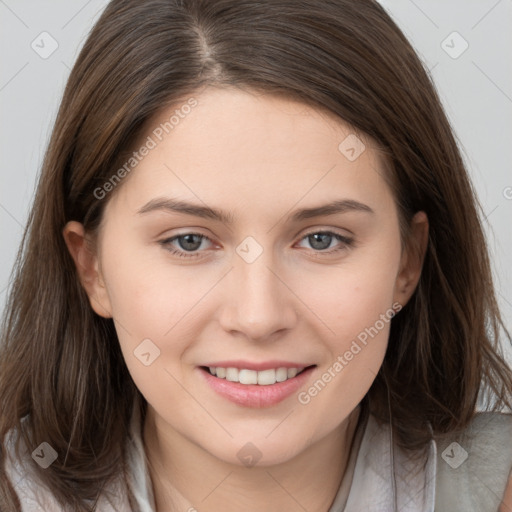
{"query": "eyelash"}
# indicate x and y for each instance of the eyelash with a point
(346, 243)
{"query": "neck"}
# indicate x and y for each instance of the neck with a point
(185, 477)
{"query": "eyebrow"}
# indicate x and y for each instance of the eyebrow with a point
(176, 206)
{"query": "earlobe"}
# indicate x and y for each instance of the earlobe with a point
(87, 266)
(412, 258)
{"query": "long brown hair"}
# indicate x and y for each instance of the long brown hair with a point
(61, 368)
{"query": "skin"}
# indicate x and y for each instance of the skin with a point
(259, 157)
(506, 504)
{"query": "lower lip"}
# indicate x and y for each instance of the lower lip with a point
(253, 395)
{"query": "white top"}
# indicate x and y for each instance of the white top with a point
(367, 484)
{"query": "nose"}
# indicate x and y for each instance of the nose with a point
(257, 302)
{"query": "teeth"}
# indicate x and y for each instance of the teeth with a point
(232, 374)
(248, 377)
(292, 372)
(266, 377)
(281, 374)
(263, 378)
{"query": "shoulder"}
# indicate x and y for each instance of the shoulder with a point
(20, 470)
(34, 496)
(473, 467)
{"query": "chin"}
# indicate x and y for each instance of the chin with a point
(257, 451)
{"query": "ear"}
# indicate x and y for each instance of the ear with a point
(87, 266)
(412, 259)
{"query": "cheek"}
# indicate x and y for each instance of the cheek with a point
(149, 294)
(353, 295)
(360, 314)
(357, 305)
(152, 303)
(152, 300)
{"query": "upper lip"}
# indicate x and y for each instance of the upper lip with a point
(264, 365)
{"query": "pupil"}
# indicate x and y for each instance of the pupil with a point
(187, 242)
(313, 239)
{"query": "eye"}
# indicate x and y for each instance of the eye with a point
(188, 245)
(187, 242)
(321, 241)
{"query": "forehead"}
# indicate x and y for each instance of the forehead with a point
(252, 148)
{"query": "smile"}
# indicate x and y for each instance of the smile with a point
(255, 388)
(262, 378)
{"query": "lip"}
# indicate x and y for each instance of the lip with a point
(259, 367)
(254, 395)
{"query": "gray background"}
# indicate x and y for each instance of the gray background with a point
(475, 86)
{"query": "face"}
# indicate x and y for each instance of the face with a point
(287, 260)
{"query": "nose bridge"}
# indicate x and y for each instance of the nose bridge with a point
(258, 303)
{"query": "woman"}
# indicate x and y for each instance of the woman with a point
(253, 277)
